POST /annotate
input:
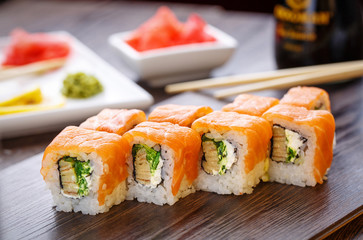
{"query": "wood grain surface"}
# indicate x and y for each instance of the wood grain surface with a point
(273, 211)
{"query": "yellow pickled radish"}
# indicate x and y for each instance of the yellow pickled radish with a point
(31, 96)
(47, 103)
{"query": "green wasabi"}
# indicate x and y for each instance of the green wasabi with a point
(81, 85)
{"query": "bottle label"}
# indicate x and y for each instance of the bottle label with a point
(300, 21)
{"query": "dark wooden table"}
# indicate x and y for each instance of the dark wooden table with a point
(92, 22)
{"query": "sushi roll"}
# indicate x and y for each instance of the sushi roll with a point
(116, 121)
(251, 104)
(85, 170)
(311, 98)
(162, 162)
(234, 152)
(178, 114)
(302, 144)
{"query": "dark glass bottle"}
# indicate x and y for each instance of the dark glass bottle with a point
(310, 32)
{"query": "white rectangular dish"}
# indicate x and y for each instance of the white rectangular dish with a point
(119, 92)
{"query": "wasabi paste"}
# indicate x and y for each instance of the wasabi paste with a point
(81, 85)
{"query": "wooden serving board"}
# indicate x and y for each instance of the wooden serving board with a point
(272, 211)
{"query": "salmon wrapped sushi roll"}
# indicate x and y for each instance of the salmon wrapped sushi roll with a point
(251, 104)
(116, 121)
(234, 152)
(85, 170)
(302, 144)
(162, 162)
(311, 98)
(178, 114)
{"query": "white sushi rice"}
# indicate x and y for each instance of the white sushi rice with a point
(162, 194)
(288, 173)
(88, 204)
(235, 180)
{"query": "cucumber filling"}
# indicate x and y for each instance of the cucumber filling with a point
(75, 177)
(218, 155)
(147, 165)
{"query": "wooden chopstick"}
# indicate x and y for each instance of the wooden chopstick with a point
(252, 77)
(31, 68)
(329, 75)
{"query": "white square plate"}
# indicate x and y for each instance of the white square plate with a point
(119, 92)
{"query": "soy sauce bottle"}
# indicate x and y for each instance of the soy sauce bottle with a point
(310, 32)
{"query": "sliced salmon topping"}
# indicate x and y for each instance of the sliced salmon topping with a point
(116, 121)
(251, 104)
(183, 115)
(311, 98)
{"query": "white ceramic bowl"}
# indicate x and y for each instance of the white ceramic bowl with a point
(178, 63)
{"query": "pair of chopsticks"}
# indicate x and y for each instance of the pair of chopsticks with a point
(31, 68)
(284, 78)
